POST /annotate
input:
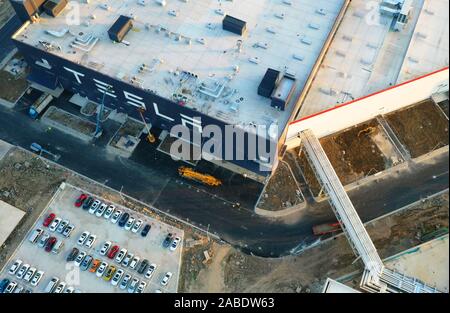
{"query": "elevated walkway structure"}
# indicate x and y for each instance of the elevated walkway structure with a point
(376, 277)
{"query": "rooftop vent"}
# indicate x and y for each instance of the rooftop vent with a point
(269, 82)
(234, 25)
(54, 7)
(120, 28)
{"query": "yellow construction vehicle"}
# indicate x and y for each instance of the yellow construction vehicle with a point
(150, 137)
(206, 179)
(368, 131)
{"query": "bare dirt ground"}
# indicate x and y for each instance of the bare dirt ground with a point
(422, 127)
(281, 192)
(11, 88)
(131, 128)
(231, 271)
(6, 11)
(71, 121)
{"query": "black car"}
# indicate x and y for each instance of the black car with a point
(3, 284)
(124, 219)
(87, 204)
(72, 255)
(168, 240)
(143, 266)
(145, 230)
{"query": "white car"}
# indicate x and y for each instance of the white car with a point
(151, 270)
(109, 212)
(141, 287)
(43, 240)
(60, 287)
(37, 278)
(30, 274)
(22, 271)
(105, 248)
(134, 262)
(54, 225)
(125, 280)
(133, 285)
(137, 226)
(68, 230)
(175, 243)
(117, 277)
(166, 279)
(83, 237)
(80, 258)
(15, 266)
(90, 241)
(94, 206)
(69, 290)
(101, 209)
(10, 288)
(129, 223)
(101, 269)
(121, 255)
(126, 261)
(62, 226)
(116, 216)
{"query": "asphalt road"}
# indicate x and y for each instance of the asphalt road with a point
(6, 44)
(151, 176)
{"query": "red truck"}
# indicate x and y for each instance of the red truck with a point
(324, 229)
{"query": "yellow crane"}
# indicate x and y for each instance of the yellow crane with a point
(150, 137)
(206, 179)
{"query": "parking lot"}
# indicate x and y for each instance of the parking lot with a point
(55, 265)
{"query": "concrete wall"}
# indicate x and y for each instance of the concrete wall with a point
(361, 110)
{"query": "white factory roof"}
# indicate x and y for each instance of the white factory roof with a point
(168, 39)
(366, 55)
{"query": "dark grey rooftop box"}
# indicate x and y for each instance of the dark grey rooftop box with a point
(269, 82)
(234, 25)
(120, 28)
(54, 7)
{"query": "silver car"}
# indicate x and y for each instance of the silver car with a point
(125, 280)
(129, 223)
(94, 206)
(117, 277)
(116, 216)
(22, 271)
(109, 212)
(101, 209)
(62, 226)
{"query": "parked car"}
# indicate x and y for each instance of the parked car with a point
(15, 267)
(113, 252)
(62, 226)
(109, 211)
(141, 287)
(50, 244)
(117, 276)
(88, 203)
(133, 285)
(95, 265)
(90, 241)
(129, 223)
(166, 279)
(49, 219)
(86, 263)
(69, 290)
(124, 283)
(57, 247)
(134, 262)
(19, 289)
(43, 241)
(3, 284)
(121, 255)
(151, 270)
(80, 258)
(51, 285)
(101, 209)
(83, 237)
(37, 278)
(22, 271)
(109, 273)
(79, 202)
(145, 230)
(143, 266)
(175, 243)
(10, 288)
(35, 235)
(126, 261)
(137, 225)
(54, 225)
(68, 230)
(60, 287)
(168, 240)
(27, 291)
(101, 269)
(105, 247)
(94, 206)
(116, 216)
(124, 219)
(29, 274)
(72, 255)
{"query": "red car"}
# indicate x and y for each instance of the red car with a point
(50, 244)
(112, 253)
(80, 200)
(49, 219)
